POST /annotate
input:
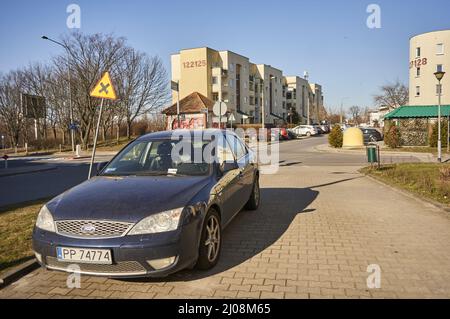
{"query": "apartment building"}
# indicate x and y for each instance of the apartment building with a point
(429, 53)
(250, 90)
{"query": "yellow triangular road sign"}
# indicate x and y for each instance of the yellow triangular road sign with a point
(104, 88)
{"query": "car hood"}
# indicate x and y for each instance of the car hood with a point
(127, 199)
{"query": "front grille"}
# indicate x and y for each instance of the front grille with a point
(123, 268)
(92, 229)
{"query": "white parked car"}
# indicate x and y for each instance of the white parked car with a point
(305, 130)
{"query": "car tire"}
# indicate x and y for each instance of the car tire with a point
(373, 139)
(255, 196)
(308, 134)
(208, 256)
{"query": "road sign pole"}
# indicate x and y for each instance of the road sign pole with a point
(95, 139)
(220, 115)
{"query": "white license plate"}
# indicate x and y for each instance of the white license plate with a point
(84, 255)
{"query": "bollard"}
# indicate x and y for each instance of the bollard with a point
(78, 150)
(26, 148)
(5, 157)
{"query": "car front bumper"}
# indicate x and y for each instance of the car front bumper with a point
(130, 254)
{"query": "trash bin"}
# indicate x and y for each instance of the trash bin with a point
(372, 155)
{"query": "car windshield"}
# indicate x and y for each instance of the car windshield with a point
(160, 158)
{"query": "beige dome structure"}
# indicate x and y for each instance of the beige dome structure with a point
(353, 138)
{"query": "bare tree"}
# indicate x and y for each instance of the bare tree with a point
(392, 95)
(36, 82)
(142, 86)
(355, 112)
(10, 105)
(140, 81)
(90, 56)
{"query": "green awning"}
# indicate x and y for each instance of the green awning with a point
(418, 111)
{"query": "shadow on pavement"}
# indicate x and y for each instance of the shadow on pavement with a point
(251, 232)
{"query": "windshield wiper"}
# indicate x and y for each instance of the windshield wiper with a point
(151, 174)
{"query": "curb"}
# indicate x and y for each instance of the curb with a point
(423, 157)
(28, 172)
(18, 272)
(410, 194)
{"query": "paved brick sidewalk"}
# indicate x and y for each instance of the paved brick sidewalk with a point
(314, 236)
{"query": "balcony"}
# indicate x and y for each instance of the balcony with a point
(216, 88)
(219, 72)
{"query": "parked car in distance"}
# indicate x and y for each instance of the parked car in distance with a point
(149, 213)
(319, 129)
(305, 130)
(325, 128)
(371, 135)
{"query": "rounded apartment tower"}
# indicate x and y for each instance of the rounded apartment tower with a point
(429, 53)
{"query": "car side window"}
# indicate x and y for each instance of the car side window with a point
(224, 152)
(238, 149)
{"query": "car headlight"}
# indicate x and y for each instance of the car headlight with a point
(45, 220)
(158, 223)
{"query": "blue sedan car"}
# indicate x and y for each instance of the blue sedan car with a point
(158, 207)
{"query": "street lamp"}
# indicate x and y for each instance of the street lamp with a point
(439, 76)
(72, 137)
(342, 108)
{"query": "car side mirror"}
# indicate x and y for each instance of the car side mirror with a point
(228, 166)
(101, 166)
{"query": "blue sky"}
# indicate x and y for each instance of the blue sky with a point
(330, 39)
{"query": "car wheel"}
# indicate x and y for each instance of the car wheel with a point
(253, 202)
(308, 134)
(373, 139)
(210, 242)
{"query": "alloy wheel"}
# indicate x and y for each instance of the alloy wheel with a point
(213, 238)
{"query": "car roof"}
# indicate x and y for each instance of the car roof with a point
(164, 135)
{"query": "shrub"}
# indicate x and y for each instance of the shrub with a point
(393, 137)
(336, 137)
(434, 135)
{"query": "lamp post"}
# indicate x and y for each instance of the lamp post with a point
(439, 75)
(72, 137)
(342, 109)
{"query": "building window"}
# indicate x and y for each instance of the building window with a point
(231, 67)
(440, 68)
(418, 52)
(214, 80)
(215, 96)
(417, 90)
(418, 72)
(231, 83)
(440, 48)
